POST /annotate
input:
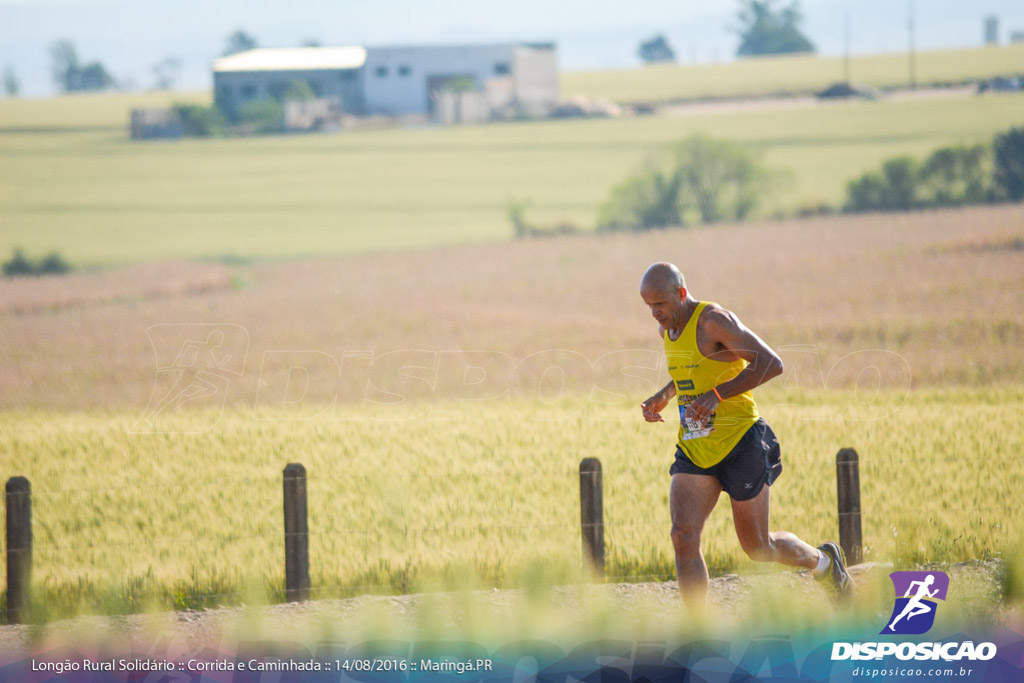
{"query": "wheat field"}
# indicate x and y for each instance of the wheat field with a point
(483, 495)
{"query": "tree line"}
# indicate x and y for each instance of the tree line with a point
(703, 180)
(73, 74)
(949, 176)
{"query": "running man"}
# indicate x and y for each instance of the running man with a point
(916, 603)
(714, 362)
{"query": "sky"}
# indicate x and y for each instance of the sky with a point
(130, 36)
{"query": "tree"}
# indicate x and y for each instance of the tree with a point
(260, 116)
(200, 121)
(901, 177)
(65, 65)
(957, 175)
(721, 179)
(895, 188)
(240, 41)
(165, 73)
(655, 50)
(71, 75)
(94, 76)
(464, 83)
(866, 193)
(645, 201)
(766, 29)
(703, 180)
(18, 265)
(51, 264)
(12, 86)
(299, 89)
(1008, 150)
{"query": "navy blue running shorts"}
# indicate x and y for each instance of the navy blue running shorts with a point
(755, 461)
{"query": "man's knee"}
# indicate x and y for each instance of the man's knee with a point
(757, 549)
(686, 539)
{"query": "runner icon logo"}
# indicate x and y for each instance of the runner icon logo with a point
(917, 594)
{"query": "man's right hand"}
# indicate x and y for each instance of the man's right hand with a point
(653, 406)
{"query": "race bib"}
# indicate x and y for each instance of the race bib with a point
(692, 429)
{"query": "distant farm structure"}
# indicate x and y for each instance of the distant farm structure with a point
(450, 84)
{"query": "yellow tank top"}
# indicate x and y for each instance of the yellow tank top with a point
(695, 374)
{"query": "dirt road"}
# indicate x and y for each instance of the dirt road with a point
(732, 598)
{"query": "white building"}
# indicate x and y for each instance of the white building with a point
(395, 80)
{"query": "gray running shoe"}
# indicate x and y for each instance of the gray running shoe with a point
(841, 580)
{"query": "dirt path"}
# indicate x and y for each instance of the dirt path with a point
(803, 101)
(730, 598)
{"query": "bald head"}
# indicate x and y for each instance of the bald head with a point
(663, 289)
(662, 277)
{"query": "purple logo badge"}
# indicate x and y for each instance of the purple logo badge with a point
(917, 594)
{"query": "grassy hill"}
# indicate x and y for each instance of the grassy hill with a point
(791, 74)
(74, 182)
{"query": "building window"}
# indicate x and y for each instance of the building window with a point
(382, 72)
(501, 69)
(248, 91)
(404, 70)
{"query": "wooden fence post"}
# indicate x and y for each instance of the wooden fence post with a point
(296, 534)
(848, 494)
(19, 549)
(592, 514)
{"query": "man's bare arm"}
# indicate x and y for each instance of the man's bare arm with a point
(739, 341)
(653, 406)
(734, 340)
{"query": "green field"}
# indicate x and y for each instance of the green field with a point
(482, 494)
(792, 74)
(100, 198)
(85, 111)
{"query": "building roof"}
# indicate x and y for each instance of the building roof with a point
(293, 59)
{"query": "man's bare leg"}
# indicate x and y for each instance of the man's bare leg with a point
(760, 544)
(692, 497)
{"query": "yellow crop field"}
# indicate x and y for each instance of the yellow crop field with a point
(485, 493)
